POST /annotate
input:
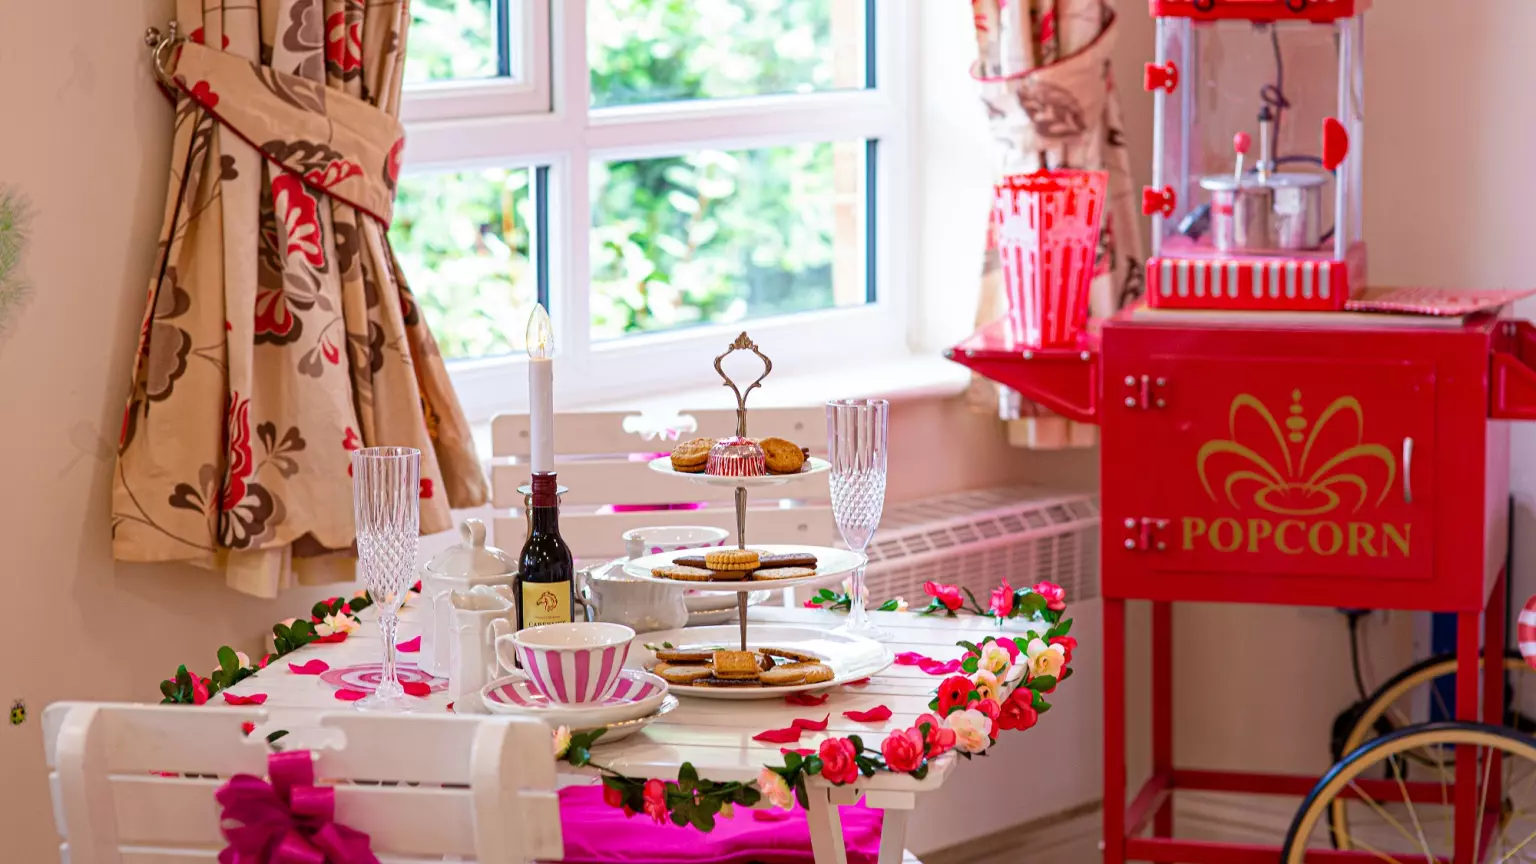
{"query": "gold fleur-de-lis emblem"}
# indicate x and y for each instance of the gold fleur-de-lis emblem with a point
(1289, 471)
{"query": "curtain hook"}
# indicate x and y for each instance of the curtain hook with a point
(158, 43)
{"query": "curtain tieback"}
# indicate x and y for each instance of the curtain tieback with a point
(336, 144)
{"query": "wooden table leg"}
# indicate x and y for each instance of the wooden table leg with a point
(893, 836)
(826, 827)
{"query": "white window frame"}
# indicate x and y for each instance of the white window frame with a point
(481, 125)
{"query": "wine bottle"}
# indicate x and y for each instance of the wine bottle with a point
(545, 567)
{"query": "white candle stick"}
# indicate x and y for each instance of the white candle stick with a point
(541, 390)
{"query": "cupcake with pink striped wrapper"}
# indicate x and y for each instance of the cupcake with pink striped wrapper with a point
(572, 664)
(736, 457)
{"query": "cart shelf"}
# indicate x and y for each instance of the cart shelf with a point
(1065, 380)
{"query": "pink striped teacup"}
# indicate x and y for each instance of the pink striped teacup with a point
(572, 664)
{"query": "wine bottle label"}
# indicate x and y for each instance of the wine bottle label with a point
(546, 603)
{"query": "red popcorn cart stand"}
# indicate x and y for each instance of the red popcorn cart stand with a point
(1274, 433)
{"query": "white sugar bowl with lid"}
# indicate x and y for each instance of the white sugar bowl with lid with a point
(459, 568)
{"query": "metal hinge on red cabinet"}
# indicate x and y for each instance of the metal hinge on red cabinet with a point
(1145, 534)
(1145, 392)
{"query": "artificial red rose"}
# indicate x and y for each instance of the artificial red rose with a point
(940, 737)
(656, 800)
(1001, 603)
(949, 595)
(903, 750)
(1055, 597)
(1017, 712)
(612, 797)
(990, 708)
(1067, 643)
(199, 690)
(954, 693)
(247, 727)
(838, 765)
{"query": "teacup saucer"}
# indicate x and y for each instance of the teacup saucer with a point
(638, 695)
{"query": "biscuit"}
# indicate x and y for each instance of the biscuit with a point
(681, 674)
(691, 561)
(687, 469)
(692, 454)
(782, 457)
(682, 574)
(726, 682)
(792, 656)
(729, 575)
(784, 559)
(815, 673)
(731, 559)
(772, 573)
(736, 665)
(783, 676)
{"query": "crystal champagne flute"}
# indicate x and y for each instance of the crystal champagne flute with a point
(386, 502)
(856, 447)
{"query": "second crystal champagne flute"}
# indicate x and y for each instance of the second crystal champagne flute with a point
(386, 502)
(856, 447)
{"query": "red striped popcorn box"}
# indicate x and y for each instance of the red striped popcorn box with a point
(1047, 233)
(573, 664)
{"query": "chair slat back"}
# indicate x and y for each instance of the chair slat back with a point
(421, 787)
(602, 459)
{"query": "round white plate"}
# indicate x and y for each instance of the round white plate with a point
(851, 657)
(830, 564)
(638, 694)
(813, 465)
(623, 729)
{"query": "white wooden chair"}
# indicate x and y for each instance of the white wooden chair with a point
(601, 458)
(486, 793)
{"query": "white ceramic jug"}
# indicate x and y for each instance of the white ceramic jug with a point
(458, 568)
(476, 614)
(643, 607)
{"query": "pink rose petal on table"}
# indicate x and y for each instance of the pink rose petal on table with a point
(313, 667)
(806, 700)
(859, 683)
(416, 688)
(813, 725)
(877, 714)
(778, 736)
(338, 636)
(409, 646)
(936, 667)
(253, 699)
(799, 751)
(450, 707)
(350, 695)
(909, 658)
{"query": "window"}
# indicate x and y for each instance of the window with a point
(661, 175)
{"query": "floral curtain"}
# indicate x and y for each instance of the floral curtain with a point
(1044, 70)
(280, 334)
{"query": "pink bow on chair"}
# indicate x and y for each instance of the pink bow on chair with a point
(286, 821)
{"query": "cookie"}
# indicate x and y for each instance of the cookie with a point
(782, 457)
(731, 559)
(691, 455)
(785, 559)
(682, 574)
(783, 676)
(691, 561)
(682, 674)
(729, 575)
(727, 682)
(680, 655)
(815, 673)
(736, 665)
(792, 656)
(772, 573)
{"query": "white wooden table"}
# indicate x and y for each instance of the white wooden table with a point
(716, 736)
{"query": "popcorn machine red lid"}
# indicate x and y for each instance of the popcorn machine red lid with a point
(1256, 192)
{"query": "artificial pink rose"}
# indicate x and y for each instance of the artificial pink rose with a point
(1017, 712)
(656, 800)
(954, 693)
(949, 595)
(1055, 597)
(1011, 647)
(1067, 643)
(199, 690)
(838, 766)
(1001, 603)
(903, 750)
(991, 709)
(941, 738)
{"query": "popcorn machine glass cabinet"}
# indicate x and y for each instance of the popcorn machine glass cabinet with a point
(1287, 94)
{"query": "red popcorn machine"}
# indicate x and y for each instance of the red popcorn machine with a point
(1256, 175)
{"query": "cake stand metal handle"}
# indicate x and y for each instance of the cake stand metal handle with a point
(743, 343)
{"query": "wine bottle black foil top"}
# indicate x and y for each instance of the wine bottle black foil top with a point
(545, 488)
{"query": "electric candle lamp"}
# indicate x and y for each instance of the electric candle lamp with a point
(541, 390)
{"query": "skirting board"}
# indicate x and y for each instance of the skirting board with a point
(1072, 836)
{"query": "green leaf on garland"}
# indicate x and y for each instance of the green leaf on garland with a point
(812, 764)
(800, 794)
(888, 606)
(304, 631)
(319, 610)
(228, 662)
(971, 597)
(933, 704)
(679, 819)
(1065, 674)
(276, 735)
(167, 689)
(1036, 701)
(857, 742)
(702, 819)
(922, 770)
(1044, 707)
(969, 665)
(970, 646)
(748, 796)
(687, 777)
(1029, 605)
(792, 760)
(1023, 643)
(1042, 682)
(1061, 629)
